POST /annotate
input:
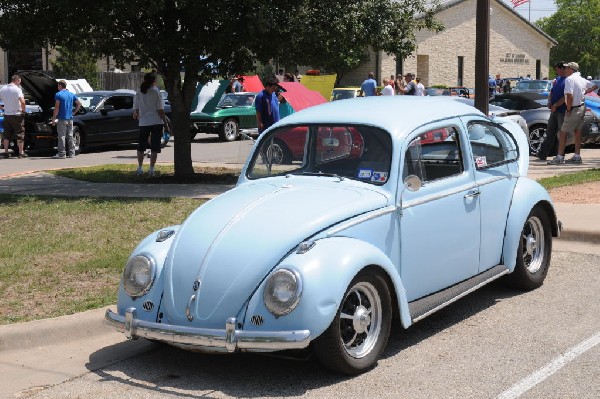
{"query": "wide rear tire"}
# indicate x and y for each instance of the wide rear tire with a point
(359, 332)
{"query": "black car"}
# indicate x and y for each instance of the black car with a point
(534, 110)
(105, 117)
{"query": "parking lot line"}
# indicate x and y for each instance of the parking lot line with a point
(556, 364)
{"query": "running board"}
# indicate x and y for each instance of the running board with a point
(425, 306)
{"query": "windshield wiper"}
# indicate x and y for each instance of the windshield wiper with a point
(319, 173)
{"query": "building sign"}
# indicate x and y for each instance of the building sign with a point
(511, 58)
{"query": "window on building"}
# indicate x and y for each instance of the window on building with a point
(461, 64)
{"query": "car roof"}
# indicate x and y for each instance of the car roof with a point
(106, 93)
(409, 112)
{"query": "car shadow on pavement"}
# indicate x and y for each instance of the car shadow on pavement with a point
(171, 371)
(455, 313)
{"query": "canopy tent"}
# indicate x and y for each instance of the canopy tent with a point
(299, 97)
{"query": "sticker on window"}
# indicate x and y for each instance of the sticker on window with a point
(365, 173)
(379, 177)
(480, 162)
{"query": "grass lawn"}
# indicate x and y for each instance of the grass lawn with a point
(571, 179)
(65, 255)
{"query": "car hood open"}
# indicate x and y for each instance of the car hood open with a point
(40, 87)
(231, 243)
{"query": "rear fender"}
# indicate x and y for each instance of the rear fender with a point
(326, 271)
(527, 195)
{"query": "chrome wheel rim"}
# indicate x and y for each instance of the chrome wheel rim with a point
(360, 320)
(230, 130)
(536, 138)
(533, 242)
(76, 140)
(275, 154)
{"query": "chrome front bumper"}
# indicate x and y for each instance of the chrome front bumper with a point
(208, 339)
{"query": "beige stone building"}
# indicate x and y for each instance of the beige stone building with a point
(517, 48)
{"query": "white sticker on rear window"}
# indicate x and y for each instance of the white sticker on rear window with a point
(480, 161)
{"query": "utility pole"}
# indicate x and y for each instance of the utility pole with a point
(482, 55)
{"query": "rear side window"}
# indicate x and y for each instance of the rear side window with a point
(491, 145)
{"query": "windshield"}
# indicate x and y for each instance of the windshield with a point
(355, 152)
(532, 85)
(236, 100)
(89, 102)
(343, 94)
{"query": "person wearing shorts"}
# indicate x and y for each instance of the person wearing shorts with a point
(148, 109)
(576, 87)
(14, 115)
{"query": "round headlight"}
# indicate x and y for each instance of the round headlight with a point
(282, 291)
(139, 275)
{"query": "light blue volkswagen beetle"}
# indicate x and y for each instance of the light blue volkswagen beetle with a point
(394, 208)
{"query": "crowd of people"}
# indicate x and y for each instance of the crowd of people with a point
(393, 86)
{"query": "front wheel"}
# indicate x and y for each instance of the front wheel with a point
(534, 252)
(230, 130)
(537, 135)
(359, 332)
(77, 140)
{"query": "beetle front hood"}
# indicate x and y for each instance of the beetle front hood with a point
(232, 242)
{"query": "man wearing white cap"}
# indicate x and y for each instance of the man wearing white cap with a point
(576, 87)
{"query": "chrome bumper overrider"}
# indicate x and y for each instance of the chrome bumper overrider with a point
(208, 339)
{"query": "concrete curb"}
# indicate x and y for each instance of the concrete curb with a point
(54, 331)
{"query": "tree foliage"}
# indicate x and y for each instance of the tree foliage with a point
(206, 39)
(575, 27)
(337, 35)
(71, 64)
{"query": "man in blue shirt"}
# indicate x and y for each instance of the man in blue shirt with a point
(556, 103)
(491, 85)
(267, 106)
(368, 88)
(63, 119)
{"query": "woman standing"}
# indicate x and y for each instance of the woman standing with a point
(148, 109)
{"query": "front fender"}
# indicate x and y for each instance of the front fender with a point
(326, 271)
(527, 194)
(159, 251)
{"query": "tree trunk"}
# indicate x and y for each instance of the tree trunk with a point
(181, 122)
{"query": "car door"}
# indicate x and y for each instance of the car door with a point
(439, 223)
(118, 125)
(492, 151)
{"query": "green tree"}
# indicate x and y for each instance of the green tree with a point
(575, 27)
(336, 35)
(76, 65)
(192, 41)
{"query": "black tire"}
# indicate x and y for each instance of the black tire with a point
(78, 139)
(537, 134)
(229, 130)
(279, 153)
(534, 252)
(354, 342)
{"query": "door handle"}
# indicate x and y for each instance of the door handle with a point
(472, 194)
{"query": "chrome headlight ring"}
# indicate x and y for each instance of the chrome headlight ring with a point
(139, 275)
(282, 291)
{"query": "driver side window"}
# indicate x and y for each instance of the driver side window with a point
(434, 155)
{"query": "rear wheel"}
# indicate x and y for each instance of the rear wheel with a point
(359, 332)
(537, 134)
(533, 255)
(230, 130)
(279, 153)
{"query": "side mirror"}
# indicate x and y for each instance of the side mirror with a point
(106, 109)
(412, 183)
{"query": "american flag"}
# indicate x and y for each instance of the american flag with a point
(517, 3)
